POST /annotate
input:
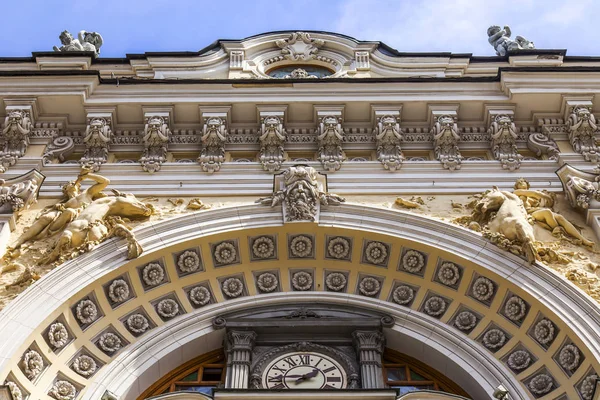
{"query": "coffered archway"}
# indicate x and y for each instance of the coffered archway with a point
(482, 316)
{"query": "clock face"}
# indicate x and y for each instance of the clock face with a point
(304, 370)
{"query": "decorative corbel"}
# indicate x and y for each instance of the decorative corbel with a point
(155, 139)
(542, 144)
(272, 138)
(61, 147)
(582, 189)
(583, 131)
(214, 138)
(503, 138)
(15, 135)
(330, 137)
(388, 136)
(16, 195)
(97, 138)
(446, 136)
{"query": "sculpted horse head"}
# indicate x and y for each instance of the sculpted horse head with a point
(505, 214)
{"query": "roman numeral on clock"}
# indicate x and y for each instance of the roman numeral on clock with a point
(278, 386)
(291, 362)
(277, 368)
(304, 359)
(334, 379)
(328, 387)
(278, 378)
(329, 369)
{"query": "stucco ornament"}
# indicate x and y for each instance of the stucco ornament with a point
(225, 253)
(63, 390)
(86, 41)
(167, 308)
(85, 365)
(14, 139)
(376, 253)
(542, 144)
(233, 287)
(494, 339)
(448, 274)
(267, 282)
(369, 286)
(413, 261)
(465, 320)
(118, 291)
(58, 336)
(15, 390)
(137, 323)
(155, 141)
(501, 42)
(33, 364)
(544, 331)
(503, 135)
(336, 281)
(338, 247)
(60, 148)
(302, 281)
(541, 384)
(188, 261)
(109, 342)
(435, 306)
(388, 136)
(515, 309)
(299, 46)
(569, 357)
(505, 222)
(18, 194)
(301, 246)
(587, 387)
(445, 142)
(86, 218)
(153, 274)
(583, 132)
(272, 137)
(301, 195)
(97, 137)
(300, 73)
(582, 188)
(403, 295)
(483, 289)
(519, 360)
(263, 247)
(214, 137)
(330, 136)
(538, 205)
(86, 311)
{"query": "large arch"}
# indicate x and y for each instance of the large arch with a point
(435, 340)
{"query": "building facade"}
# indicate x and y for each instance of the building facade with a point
(300, 215)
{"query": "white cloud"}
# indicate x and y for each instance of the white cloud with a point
(461, 25)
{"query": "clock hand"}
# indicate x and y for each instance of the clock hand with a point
(308, 375)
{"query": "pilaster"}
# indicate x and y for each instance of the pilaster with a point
(369, 346)
(239, 347)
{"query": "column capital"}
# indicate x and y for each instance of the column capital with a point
(241, 340)
(369, 340)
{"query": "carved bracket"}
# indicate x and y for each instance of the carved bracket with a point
(583, 132)
(446, 136)
(272, 138)
(542, 144)
(61, 147)
(14, 138)
(503, 135)
(330, 136)
(214, 137)
(98, 134)
(388, 136)
(302, 193)
(20, 193)
(156, 141)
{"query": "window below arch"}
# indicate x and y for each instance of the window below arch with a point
(300, 72)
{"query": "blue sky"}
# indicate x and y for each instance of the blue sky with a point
(136, 26)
